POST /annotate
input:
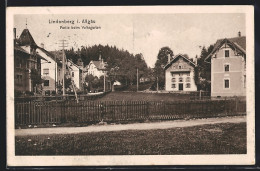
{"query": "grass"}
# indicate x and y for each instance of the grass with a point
(141, 96)
(225, 138)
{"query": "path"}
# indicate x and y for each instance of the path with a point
(135, 126)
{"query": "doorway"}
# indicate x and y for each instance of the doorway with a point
(180, 86)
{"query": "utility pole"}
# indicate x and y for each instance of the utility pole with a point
(137, 80)
(104, 81)
(63, 45)
(55, 84)
(157, 84)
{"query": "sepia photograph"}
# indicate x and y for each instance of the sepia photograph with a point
(161, 85)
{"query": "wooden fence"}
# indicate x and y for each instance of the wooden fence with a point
(69, 111)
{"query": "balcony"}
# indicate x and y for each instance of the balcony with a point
(181, 70)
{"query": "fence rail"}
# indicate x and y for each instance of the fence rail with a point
(90, 96)
(69, 111)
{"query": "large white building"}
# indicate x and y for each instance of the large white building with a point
(97, 68)
(51, 70)
(179, 74)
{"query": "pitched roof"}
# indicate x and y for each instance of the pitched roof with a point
(26, 39)
(50, 54)
(100, 65)
(176, 57)
(239, 42)
(74, 64)
(18, 48)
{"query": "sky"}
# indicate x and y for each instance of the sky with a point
(136, 33)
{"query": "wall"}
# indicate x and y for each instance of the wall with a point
(52, 66)
(186, 69)
(235, 74)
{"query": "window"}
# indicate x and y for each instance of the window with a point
(226, 53)
(226, 67)
(173, 79)
(188, 74)
(180, 79)
(19, 63)
(46, 71)
(173, 75)
(59, 72)
(188, 79)
(46, 83)
(173, 86)
(226, 82)
(19, 79)
(179, 67)
(72, 74)
(188, 85)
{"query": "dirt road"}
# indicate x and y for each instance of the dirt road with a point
(135, 126)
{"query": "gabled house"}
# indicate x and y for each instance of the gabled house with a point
(97, 68)
(179, 74)
(76, 74)
(27, 66)
(51, 70)
(228, 67)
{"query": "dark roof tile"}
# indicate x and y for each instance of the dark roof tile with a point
(26, 39)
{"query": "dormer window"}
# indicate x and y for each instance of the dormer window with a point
(226, 53)
(179, 67)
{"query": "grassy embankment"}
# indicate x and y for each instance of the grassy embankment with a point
(223, 138)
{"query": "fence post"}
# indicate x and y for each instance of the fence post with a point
(225, 105)
(236, 105)
(147, 110)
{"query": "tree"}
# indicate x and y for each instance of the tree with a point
(203, 70)
(36, 78)
(125, 61)
(162, 59)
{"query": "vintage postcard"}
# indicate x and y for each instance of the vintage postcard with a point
(130, 85)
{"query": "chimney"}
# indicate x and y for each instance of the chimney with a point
(169, 58)
(42, 45)
(239, 34)
(14, 33)
(100, 58)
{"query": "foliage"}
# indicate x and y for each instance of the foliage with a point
(162, 59)
(68, 83)
(36, 77)
(203, 70)
(122, 65)
(94, 82)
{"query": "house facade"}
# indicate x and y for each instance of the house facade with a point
(76, 74)
(96, 68)
(228, 67)
(51, 70)
(179, 74)
(27, 63)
